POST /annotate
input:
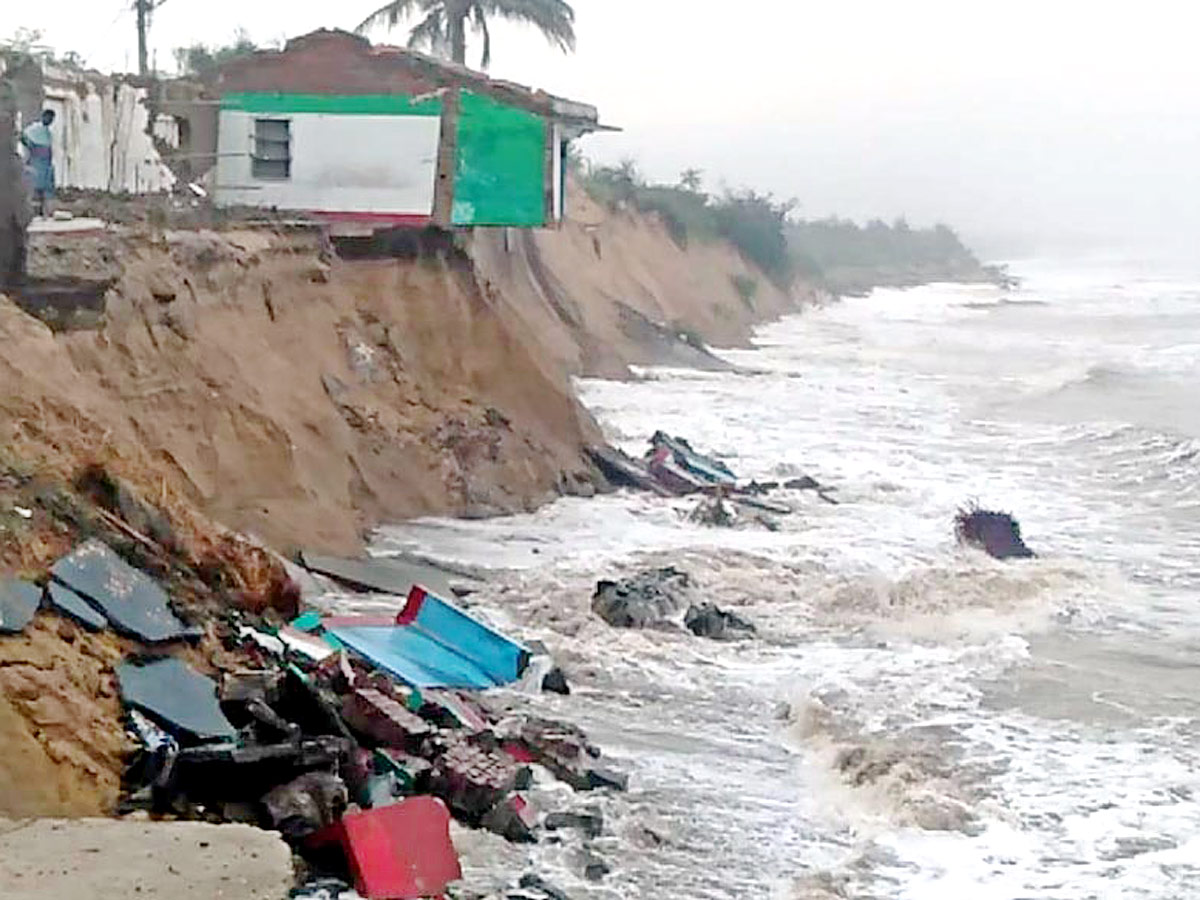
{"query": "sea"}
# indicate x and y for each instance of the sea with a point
(913, 719)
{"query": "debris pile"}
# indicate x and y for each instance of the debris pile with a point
(996, 533)
(672, 468)
(656, 597)
(356, 738)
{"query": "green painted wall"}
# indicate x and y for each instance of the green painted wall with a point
(499, 170)
(347, 105)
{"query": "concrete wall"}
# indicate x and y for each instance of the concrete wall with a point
(100, 135)
(13, 202)
(380, 165)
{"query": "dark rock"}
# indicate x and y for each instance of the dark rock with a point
(647, 598)
(590, 821)
(600, 777)
(555, 681)
(306, 804)
(19, 601)
(710, 621)
(594, 866)
(513, 819)
(538, 883)
(996, 533)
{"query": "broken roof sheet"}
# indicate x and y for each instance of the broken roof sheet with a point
(133, 602)
(434, 644)
(383, 575)
(19, 601)
(176, 696)
(69, 603)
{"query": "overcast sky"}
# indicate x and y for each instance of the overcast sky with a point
(1058, 120)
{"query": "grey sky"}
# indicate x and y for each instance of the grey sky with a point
(1057, 119)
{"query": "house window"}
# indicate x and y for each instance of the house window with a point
(272, 149)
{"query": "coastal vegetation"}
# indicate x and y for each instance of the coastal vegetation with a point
(443, 26)
(837, 254)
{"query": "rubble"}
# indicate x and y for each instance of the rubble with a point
(307, 804)
(996, 533)
(357, 751)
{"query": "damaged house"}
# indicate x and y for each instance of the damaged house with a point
(370, 137)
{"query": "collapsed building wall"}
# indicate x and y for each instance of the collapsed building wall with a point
(106, 137)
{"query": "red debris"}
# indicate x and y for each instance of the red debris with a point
(398, 852)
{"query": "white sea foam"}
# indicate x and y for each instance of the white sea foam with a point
(914, 720)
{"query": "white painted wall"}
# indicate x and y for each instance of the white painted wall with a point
(100, 139)
(340, 163)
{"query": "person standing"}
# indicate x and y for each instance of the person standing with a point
(38, 143)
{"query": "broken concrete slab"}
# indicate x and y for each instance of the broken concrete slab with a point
(105, 859)
(19, 602)
(66, 601)
(181, 700)
(383, 575)
(399, 851)
(132, 601)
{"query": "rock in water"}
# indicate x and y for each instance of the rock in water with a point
(996, 533)
(647, 598)
(709, 620)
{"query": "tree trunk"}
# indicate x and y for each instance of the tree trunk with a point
(143, 13)
(458, 35)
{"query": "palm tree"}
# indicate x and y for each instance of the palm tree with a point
(444, 26)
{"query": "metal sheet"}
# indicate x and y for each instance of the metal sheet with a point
(435, 644)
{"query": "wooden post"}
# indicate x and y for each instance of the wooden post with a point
(443, 188)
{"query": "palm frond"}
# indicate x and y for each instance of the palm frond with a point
(481, 25)
(430, 32)
(553, 18)
(391, 14)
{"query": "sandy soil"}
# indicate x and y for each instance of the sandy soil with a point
(291, 397)
(582, 290)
